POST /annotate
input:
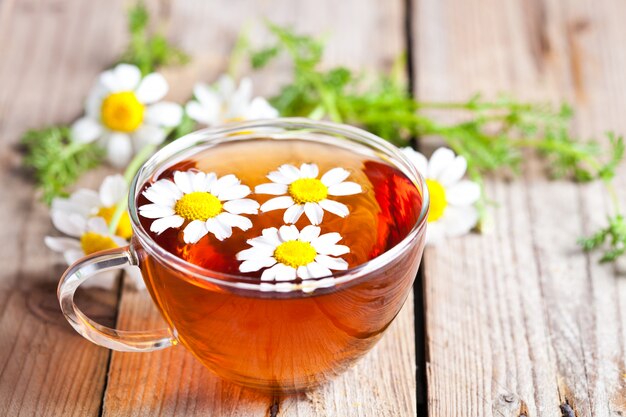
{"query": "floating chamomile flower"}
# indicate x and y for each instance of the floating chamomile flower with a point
(124, 115)
(289, 253)
(452, 199)
(307, 194)
(205, 203)
(224, 102)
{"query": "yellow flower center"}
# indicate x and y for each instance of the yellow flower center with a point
(295, 253)
(124, 228)
(308, 190)
(438, 202)
(122, 111)
(93, 242)
(198, 205)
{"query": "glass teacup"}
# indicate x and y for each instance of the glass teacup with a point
(277, 337)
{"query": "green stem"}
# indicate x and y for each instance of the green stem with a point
(129, 173)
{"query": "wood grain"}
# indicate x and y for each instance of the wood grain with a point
(46, 369)
(519, 321)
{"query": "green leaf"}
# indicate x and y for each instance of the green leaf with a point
(56, 161)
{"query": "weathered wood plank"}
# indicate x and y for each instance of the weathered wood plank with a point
(47, 66)
(171, 382)
(519, 322)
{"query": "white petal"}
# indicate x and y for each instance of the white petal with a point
(219, 229)
(435, 233)
(62, 244)
(167, 187)
(453, 172)
(71, 224)
(419, 160)
(225, 85)
(233, 193)
(86, 130)
(123, 77)
(82, 201)
(268, 239)
(344, 188)
(277, 203)
(439, 161)
(285, 273)
(287, 233)
(317, 271)
(164, 114)
(234, 220)
(155, 211)
(127, 77)
(206, 95)
(160, 225)
(335, 250)
(270, 274)
(309, 170)
(335, 176)
(162, 197)
(254, 253)
(200, 113)
(148, 135)
(335, 207)
(72, 255)
(256, 264)
(199, 182)
(303, 272)
(113, 190)
(184, 181)
(463, 193)
(293, 214)
(152, 88)
(289, 171)
(223, 183)
(243, 206)
(99, 225)
(239, 100)
(194, 231)
(458, 221)
(331, 263)
(119, 149)
(271, 188)
(93, 104)
(314, 212)
(325, 242)
(259, 108)
(279, 178)
(309, 233)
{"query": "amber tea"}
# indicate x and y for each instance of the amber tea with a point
(279, 342)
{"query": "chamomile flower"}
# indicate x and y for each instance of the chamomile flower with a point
(225, 102)
(204, 202)
(124, 114)
(452, 199)
(70, 215)
(87, 238)
(307, 194)
(288, 253)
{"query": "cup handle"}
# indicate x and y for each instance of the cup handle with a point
(125, 341)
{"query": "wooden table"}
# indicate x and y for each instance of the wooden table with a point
(516, 322)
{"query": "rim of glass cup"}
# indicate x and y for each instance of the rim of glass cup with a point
(164, 157)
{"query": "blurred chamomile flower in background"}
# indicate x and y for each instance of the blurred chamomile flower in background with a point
(225, 102)
(85, 217)
(452, 199)
(123, 113)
